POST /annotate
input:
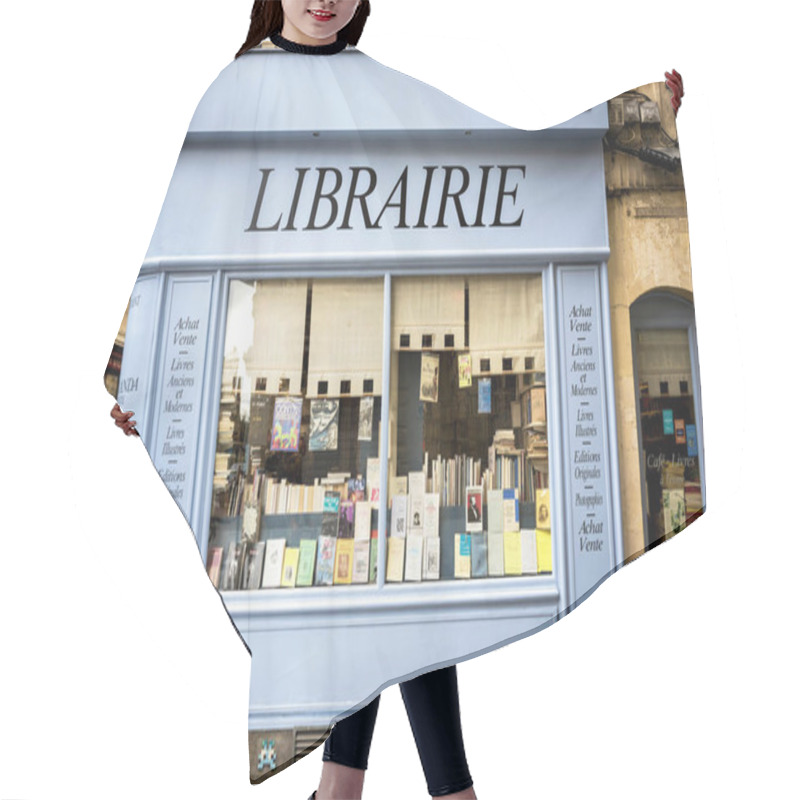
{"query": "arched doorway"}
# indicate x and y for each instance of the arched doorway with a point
(668, 413)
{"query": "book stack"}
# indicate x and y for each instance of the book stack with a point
(534, 426)
(243, 491)
(450, 478)
(507, 463)
(504, 548)
(413, 546)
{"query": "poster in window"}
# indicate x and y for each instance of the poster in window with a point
(324, 430)
(365, 409)
(464, 370)
(286, 424)
(485, 396)
(429, 378)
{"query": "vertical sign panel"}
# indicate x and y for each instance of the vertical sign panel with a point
(137, 352)
(587, 464)
(179, 402)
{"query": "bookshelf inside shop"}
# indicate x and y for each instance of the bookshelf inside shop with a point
(672, 467)
(673, 484)
(297, 486)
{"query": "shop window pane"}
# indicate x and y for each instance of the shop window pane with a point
(673, 491)
(297, 468)
(469, 453)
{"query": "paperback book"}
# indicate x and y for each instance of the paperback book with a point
(215, 565)
(527, 538)
(496, 546)
(474, 508)
(291, 556)
(347, 515)
(544, 552)
(326, 553)
(305, 562)
(512, 553)
(413, 568)
(344, 561)
(273, 563)
(431, 553)
(363, 526)
(361, 553)
(543, 509)
(254, 565)
(395, 557)
(494, 500)
(399, 515)
(430, 514)
(462, 555)
(510, 510)
(480, 555)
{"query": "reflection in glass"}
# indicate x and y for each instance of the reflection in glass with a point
(673, 491)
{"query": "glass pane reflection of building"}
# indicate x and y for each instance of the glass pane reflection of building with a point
(673, 494)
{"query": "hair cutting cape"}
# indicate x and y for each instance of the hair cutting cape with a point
(418, 381)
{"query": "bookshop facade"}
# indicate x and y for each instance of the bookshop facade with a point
(370, 355)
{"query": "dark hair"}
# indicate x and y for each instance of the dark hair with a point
(266, 18)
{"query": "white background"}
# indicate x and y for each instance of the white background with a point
(121, 675)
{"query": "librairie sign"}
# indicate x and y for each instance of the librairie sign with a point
(287, 199)
(350, 198)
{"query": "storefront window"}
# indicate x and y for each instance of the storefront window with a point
(297, 462)
(469, 429)
(673, 492)
(296, 488)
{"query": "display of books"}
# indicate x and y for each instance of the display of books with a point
(297, 483)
